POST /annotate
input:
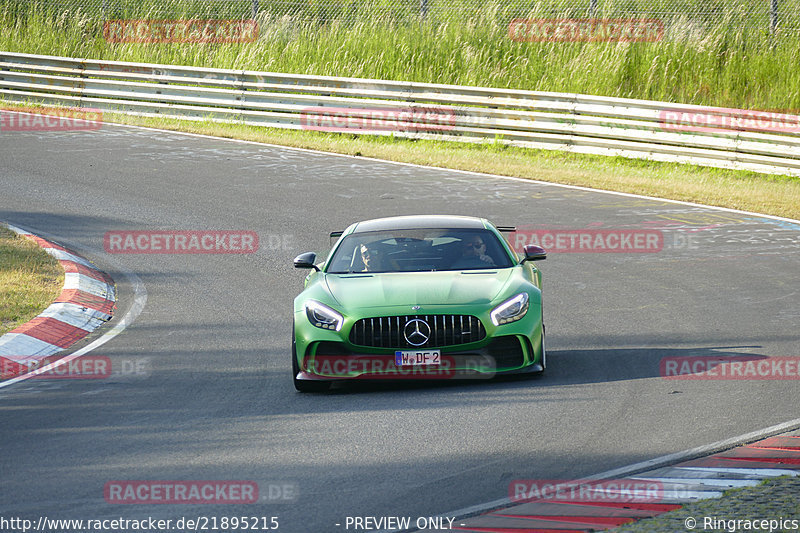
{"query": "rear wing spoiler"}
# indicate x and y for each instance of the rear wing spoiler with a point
(505, 229)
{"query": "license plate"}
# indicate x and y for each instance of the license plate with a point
(417, 357)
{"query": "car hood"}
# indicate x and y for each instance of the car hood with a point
(354, 291)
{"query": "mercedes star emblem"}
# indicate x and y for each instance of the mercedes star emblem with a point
(417, 332)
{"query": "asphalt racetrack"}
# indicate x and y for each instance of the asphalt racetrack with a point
(217, 402)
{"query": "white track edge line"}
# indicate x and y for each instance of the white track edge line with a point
(635, 468)
(139, 301)
(469, 172)
(763, 472)
(703, 481)
(481, 174)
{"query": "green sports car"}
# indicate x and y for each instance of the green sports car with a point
(418, 297)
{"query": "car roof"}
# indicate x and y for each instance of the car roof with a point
(419, 221)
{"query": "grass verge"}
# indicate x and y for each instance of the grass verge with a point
(30, 279)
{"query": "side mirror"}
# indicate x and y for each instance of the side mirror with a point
(306, 260)
(534, 253)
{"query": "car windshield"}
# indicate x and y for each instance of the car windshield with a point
(418, 250)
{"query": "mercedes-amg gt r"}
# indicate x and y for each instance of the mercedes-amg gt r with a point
(418, 297)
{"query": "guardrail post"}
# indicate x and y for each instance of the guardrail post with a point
(592, 7)
(773, 16)
(423, 8)
(255, 8)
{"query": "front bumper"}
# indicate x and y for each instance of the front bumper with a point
(339, 360)
(514, 347)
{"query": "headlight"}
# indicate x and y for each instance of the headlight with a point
(323, 316)
(511, 310)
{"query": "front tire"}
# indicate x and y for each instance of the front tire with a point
(544, 355)
(544, 352)
(302, 385)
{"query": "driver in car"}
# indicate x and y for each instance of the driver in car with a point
(369, 258)
(474, 254)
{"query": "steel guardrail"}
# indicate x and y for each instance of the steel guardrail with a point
(600, 125)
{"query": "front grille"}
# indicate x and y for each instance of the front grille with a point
(445, 330)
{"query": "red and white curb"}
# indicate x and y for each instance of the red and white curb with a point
(86, 302)
(696, 479)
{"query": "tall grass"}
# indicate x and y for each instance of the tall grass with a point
(723, 63)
